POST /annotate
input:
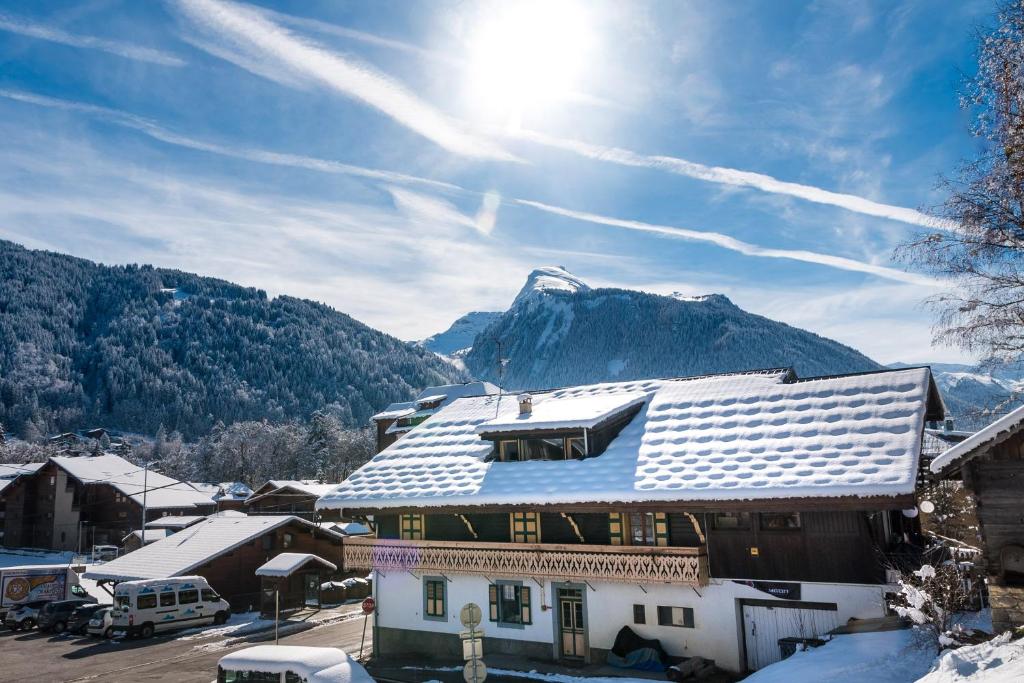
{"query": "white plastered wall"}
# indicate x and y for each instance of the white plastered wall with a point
(716, 635)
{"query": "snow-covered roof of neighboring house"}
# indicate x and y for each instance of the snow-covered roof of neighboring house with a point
(287, 564)
(185, 551)
(131, 480)
(231, 490)
(151, 536)
(736, 437)
(175, 521)
(305, 486)
(432, 398)
(564, 412)
(990, 436)
(313, 664)
(396, 410)
(10, 472)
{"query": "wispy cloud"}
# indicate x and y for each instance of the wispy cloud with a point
(733, 244)
(246, 37)
(57, 35)
(262, 156)
(734, 177)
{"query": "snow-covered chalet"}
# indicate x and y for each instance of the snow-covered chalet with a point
(717, 514)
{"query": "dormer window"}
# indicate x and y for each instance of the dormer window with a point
(550, 448)
(508, 450)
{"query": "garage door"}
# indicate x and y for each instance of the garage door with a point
(764, 625)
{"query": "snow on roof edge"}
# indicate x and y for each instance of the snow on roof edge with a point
(969, 446)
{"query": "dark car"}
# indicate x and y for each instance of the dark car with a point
(53, 616)
(23, 617)
(79, 620)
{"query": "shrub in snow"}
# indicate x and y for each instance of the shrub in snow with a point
(930, 597)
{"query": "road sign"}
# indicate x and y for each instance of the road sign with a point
(369, 604)
(474, 671)
(470, 615)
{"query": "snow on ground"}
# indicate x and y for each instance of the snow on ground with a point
(887, 657)
(997, 661)
(237, 625)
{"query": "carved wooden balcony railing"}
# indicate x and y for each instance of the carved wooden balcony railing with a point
(629, 564)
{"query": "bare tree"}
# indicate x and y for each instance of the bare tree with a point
(978, 241)
(931, 598)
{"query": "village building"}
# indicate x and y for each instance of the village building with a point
(139, 538)
(718, 514)
(289, 497)
(74, 502)
(226, 549)
(398, 418)
(13, 478)
(990, 463)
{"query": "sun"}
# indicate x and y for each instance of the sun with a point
(525, 56)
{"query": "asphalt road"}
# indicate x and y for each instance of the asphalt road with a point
(41, 658)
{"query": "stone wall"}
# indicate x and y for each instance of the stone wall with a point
(1007, 606)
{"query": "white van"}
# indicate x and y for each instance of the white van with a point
(142, 608)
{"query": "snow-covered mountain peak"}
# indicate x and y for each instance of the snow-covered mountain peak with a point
(549, 279)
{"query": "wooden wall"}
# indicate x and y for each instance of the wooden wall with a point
(997, 482)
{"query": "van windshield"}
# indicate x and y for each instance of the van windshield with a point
(122, 602)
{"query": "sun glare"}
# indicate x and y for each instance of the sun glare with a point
(526, 56)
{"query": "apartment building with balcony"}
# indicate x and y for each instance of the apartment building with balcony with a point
(717, 514)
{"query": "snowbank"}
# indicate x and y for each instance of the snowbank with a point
(997, 661)
(886, 657)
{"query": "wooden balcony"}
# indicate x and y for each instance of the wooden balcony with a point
(627, 564)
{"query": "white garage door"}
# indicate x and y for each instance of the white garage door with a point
(763, 627)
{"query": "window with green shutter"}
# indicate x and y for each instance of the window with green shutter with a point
(412, 527)
(510, 604)
(434, 599)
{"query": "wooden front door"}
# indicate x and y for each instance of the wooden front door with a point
(571, 631)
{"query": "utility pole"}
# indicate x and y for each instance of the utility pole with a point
(145, 490)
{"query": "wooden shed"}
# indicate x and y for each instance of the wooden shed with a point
(991, 465)
(292, 581)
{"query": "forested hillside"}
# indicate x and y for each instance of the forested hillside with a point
(559, 331)
(137, 347)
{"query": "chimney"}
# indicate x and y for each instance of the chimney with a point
(525, 404)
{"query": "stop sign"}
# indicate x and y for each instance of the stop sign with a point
(369, 604)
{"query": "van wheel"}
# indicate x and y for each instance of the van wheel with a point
(59, 627)
(146, 631)
(220, 618)
(108, 633)
(28, 624)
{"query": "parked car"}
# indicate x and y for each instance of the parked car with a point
(142, 608)
(104, 553)
(23, 617)
(53, 616)
(78, 622)
(101, 623)
(287, 663)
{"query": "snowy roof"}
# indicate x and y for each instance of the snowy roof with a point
(175, 521)
(718, 438)
(431, 398)
(450, 392)
(287, 564)
(152, 535)
(131, 480)
(995, 433)
(183, 552)
(10, 472)
(306, 486)
(351, 528)
(234, 490)
(551, 411)
(313, 664)
(396, 410)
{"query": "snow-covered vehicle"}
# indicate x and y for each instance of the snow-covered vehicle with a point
(290, 664)
(142, 608)
(45, 582)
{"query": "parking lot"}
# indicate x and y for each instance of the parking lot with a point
(35, 656)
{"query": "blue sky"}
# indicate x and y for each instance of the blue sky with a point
(409, 162)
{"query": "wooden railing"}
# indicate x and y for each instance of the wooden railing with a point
(629, 564)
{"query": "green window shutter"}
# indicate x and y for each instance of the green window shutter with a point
(660, 528)
(524, 593)
(615, 528)
(492, 597)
